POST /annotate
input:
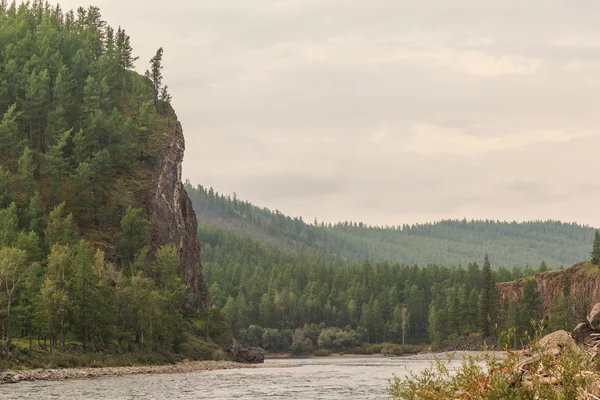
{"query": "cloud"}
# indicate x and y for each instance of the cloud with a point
(579, 41)
(434, 50)
(393, 112)
(432, 139)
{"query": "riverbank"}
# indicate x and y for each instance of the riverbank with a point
(453, 355)
(88, 373)
(277, 356)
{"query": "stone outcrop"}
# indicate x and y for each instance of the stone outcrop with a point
(594, 317)
(172, 217)
(582, 279)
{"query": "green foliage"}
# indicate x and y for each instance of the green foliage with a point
(565, 377)
(79, 133)
(133, 236)
(596, 248)
(448, 242)
(281, 291)
(487, 300)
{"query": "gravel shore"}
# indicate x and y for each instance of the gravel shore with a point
(87, 373)
(454, 355)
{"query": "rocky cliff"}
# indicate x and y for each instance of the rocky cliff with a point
(172, 217)
(582, 281)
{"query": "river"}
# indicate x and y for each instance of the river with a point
(316, 378)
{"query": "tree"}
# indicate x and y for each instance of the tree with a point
(543, 267)
(156, 74)
(13, 271)
(487, 300)
(5, 187)
(56, 293)
(10, 143)
(82, 201)
(56, 165)
(9, 225)
(134, 235)
(405, 322)
(596, 248)
(60, 228)
(531, 305)
(561, 315)
(26, 173)
(230, 311)
(84, 285)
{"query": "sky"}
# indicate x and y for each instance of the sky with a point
(384, 111)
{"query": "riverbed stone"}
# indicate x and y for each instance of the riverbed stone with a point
(252, 355)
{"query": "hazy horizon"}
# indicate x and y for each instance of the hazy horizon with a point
(383, 112)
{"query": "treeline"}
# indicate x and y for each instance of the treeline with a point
(289, 297)
(449, 242)
(73, 293)
(79, 136)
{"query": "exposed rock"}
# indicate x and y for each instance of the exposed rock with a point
(173, 219)
(252, 355)
(554, 342)
(582, 279)
(594, 317)
(581, 332)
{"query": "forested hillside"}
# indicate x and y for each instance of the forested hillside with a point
(443, 243)
(279, 299)
(80, 135)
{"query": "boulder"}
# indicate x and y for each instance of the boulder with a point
(553, 343)
(581, 332)
(594, 317)
(252, 355)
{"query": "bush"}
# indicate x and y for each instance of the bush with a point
(566, 377)
(300, 343)
(219, 355)
(321, 353)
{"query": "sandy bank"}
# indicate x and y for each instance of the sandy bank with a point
(87, 373)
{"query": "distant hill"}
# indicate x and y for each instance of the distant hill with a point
(448, 242)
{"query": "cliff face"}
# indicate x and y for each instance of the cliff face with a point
(173, 219)
(582, 280)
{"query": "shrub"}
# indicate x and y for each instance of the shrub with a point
(565, 377)
(321, 353)
(300, 343)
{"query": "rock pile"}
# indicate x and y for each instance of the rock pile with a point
(583, 344)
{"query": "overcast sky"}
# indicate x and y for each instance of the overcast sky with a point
(384, 111)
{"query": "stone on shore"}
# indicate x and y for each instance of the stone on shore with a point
(252, 355)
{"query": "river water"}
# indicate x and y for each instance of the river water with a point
(319, 378)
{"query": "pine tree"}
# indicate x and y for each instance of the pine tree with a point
(156, 74)
(596, 248)
(134, 235)
(487, 300)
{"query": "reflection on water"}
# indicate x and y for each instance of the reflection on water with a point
(321, 378)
